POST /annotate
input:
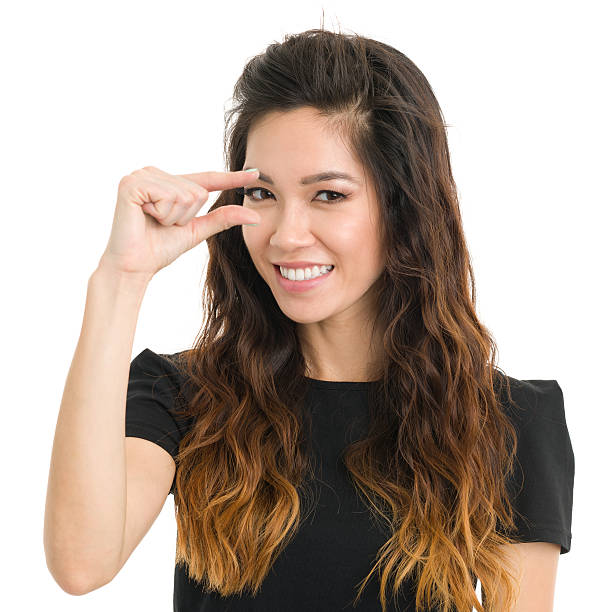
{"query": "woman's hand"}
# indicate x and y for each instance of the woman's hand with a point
(155, 220)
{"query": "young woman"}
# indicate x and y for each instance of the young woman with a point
(339, 434)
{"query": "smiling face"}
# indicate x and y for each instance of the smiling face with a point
(312, 222)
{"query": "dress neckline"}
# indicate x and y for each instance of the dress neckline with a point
(338, 384)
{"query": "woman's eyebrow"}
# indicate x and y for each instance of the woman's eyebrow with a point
(327, 175)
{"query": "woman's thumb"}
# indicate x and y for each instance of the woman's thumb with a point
(221, 219)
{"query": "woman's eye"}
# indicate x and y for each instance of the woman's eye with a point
(337, 195)
(249, 193)
(251, 190)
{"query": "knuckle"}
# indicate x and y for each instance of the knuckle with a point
(197, 198)
(202, 194)
(144, 170)
(184, 199)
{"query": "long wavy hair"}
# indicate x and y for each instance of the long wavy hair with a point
(439, 446)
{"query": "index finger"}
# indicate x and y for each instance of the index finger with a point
(215, 181)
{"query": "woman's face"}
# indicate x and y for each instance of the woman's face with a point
(309, 222)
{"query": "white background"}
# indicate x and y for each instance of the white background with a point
(95, 91)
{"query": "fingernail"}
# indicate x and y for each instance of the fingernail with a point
(252, 170)
(250, 224)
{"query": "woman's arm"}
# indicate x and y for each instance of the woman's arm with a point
(536, 564)
(86, 494)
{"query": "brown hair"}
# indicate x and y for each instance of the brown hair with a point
(434, 462)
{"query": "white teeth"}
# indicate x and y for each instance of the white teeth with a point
(299, 274)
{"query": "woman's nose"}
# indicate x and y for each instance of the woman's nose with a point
(292, 228)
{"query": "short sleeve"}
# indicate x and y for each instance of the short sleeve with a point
(154, 387)
(542, 482)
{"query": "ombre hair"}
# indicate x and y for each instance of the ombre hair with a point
(433, 466)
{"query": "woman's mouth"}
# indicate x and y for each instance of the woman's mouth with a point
(299, 286)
